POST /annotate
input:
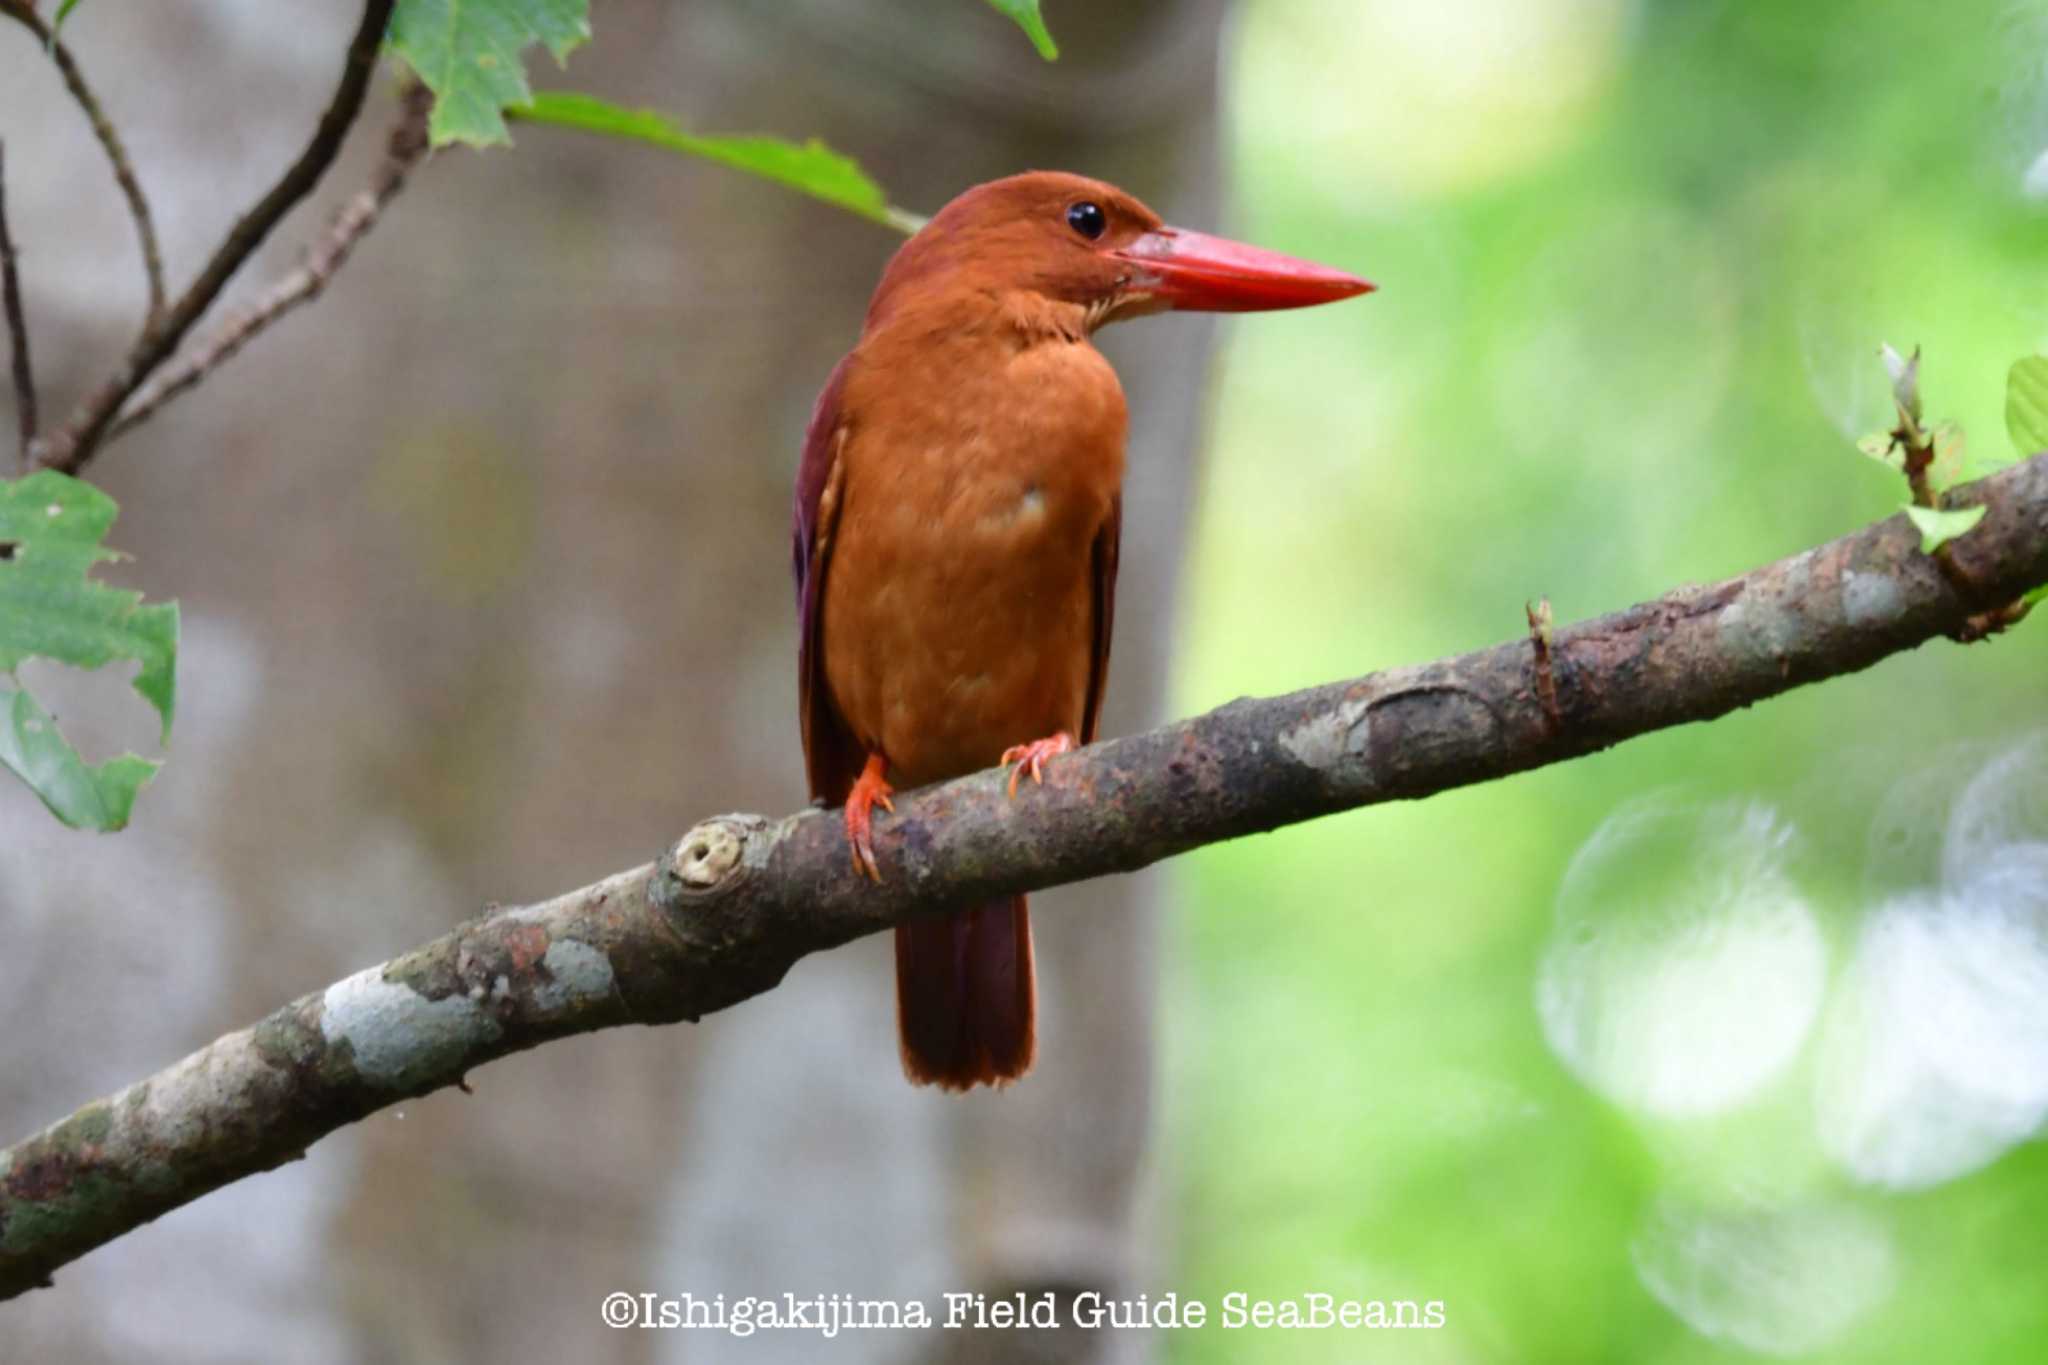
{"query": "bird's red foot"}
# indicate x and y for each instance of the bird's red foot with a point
(870, 789)
(1031, 757)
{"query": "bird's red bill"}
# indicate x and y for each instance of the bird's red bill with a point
(1195, 271)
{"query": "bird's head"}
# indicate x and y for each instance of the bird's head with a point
(1076, 241)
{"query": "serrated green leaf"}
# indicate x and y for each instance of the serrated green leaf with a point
(810, 167)
(51, 529)
(2026, 404)
(79, 794)
(1938, 526)
(1024, 13)
(471, 54)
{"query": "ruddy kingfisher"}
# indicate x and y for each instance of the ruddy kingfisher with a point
(957, 514)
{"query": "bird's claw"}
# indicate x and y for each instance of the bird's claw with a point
(870, 789)
(1031, 757)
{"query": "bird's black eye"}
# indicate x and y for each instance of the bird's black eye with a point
(1087, 219)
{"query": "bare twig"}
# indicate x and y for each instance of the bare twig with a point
(17, 325)
(1996, 621)
(69, 449)
(1917, 452)
(1540, 622)
(723, 915)
(110, 142)
(406, 148)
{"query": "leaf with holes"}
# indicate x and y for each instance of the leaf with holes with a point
(51, 532)
(1938, 526)
(472, 53)
(1024, 13)
(76, 792)
(2026, 404)
(811, 167)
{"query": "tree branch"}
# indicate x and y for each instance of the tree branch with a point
(69, 449)
(110, 142)
(725, 913)
(405, 148)
(17, 325)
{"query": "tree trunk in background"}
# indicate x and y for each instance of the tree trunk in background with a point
(485, 565)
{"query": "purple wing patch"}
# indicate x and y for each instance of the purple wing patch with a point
(1107, 543)
(832, 755)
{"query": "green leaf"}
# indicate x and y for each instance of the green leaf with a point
(811, 167)
(77, 793)
(1883, 447)
(471, 54)
(51, 529)
(1947, 467)
(2026, 404)
(1025, 14)
(63, 12)
(1938, 526)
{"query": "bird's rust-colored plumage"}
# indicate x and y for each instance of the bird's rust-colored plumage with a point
(957, 517)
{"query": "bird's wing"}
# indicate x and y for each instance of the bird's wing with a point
(832, 755)
(1104, 568)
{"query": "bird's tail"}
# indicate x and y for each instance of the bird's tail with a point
(966, 996)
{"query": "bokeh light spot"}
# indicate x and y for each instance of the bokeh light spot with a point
(1778, 1280)
(1685, 968)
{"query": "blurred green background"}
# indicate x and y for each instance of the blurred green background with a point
(1759, 1075)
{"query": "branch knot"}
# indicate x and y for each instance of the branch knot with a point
(708, 854)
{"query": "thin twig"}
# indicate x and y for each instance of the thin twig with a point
(80, 438)
(1917, 451)
(1540, 621)
(110, 141)
(407, 147)
(17, 324)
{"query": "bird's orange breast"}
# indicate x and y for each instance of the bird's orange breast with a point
(958, 612)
